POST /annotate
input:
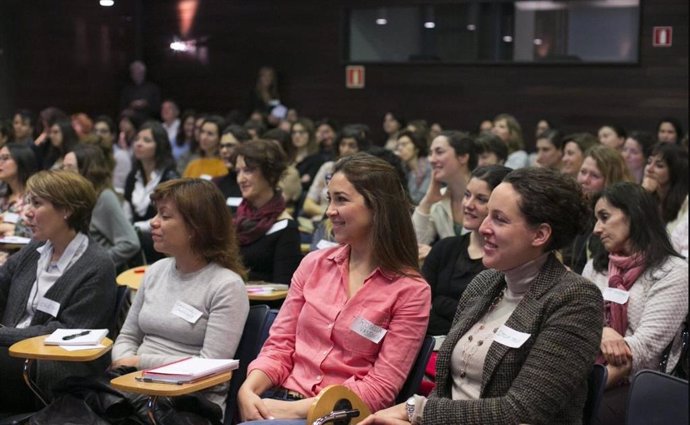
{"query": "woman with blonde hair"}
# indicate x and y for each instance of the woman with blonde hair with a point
(508, 129)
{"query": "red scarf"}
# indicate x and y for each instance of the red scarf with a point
(623, 272)
(252, 223)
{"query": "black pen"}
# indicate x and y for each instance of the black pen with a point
(72, 336)
(158, 381)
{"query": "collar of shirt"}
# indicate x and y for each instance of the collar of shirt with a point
(341, 256)
(75, 247)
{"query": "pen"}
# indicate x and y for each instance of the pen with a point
(139, 271)
(156, 381)
(72, 336)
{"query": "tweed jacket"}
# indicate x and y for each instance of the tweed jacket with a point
(545, 380)
(86, 293)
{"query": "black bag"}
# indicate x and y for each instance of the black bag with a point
(682, 369)
(93, 401)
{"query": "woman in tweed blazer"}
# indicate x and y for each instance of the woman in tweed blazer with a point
(543, 380)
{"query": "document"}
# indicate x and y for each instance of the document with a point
(188, 370)
(68, 337)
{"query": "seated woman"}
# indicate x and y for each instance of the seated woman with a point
(61, 139)
(666, 176)
(412, 148)
(439, 214)
(268, 236)
(193, 303)
(208, 164)
(526, 332)
(109, 226)
(153, 164)
(508, 129)
(62, 279)
(636, 151)
(17, 164)
(105, 129)
(550, 150)
(602, 166)
(574, 147)
(355, 314)
(641, 263)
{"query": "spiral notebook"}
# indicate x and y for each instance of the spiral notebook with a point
(69, 337)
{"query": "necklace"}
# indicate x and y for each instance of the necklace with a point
(473, 342)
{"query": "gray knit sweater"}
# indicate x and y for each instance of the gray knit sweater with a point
(157, 335)
(111, 229)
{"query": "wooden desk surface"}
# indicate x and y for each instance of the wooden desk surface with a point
(131, 277)
(130, 384)
(33, 348)
(268, 296)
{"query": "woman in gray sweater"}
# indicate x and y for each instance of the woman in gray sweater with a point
(194, 302)
(62, 279)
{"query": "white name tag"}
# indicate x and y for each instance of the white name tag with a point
(323, 243)
(48, 306)
(206, 177)
(277, 226)
(510, 337)
(615, 295)
(9, 217)
(186, 312)
(368, 330)
(233, 201)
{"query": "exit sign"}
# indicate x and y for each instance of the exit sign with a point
(354, 77)
(663, 36)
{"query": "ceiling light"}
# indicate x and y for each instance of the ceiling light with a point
(106, 3)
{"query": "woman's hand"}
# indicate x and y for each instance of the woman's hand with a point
(650, 184)
(281, 409)
(126, 361)
(617, 373)
(433, 194)
(41, 138)
(396, 415)
(7, 229)
(614, 348)
(423, 251)
(252, 407)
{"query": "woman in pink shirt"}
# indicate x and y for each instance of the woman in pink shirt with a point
(356, 314)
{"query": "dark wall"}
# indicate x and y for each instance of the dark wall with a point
(59, 59)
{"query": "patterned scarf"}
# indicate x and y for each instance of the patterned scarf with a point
(252, 223)
(623, 272)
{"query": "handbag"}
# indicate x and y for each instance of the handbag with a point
(682, 368)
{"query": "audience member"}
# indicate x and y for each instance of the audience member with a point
(393, 122)
(104, 128)
(61, 139)
(233, 136)
(412, 148)
(268, 236)
(326, 130)
(6, 132)
(612, 136)
(289, 184)
(550, 149)
(666, 175)
(144, 97)
(318, 338)
(208, 164)
(264, 97)
(439, 214)
(17, 164)
(109, 226)
(202, 274)
(640, 261)
(508, 129)
(61, 279)
(23, 125)
(574, 147)
(484, 373)
(490, 150)
(669, 130)
(170, 118)
(46, 118)
(184, 139)
(82, 125)
(308, 159)
(636, 150)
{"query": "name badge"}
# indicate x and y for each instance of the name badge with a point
(9, 217)
(368, 330)
(233, 201)
(206, 177)
(510, 337)
(277, 226)
(186, 312)
(323, 243)
(615, 295)
(48, 306)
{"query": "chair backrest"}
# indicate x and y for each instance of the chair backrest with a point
(596, 384)
(417, 372)
(267, 326)
(247, 350)
(122, 304)
(657, 398)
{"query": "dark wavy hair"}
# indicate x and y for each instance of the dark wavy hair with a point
(203, 210)
(25, 158)
(488, 142)
(492, 175)
(163, 154)
(94, 165)
(550, 197)
(676, 158)
(463, 144)
(648, 233)
(266, 155)
(380, 185)
(418, 140)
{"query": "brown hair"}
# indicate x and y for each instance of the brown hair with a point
(611, 164)
(203, 210)
(93, 165)
(393, 238)
(515, 142)
(266, 155)
(65, 190)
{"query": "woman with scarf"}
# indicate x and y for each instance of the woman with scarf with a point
(645, 287)
(268, 235)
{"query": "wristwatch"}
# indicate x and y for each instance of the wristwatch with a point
(409, 407)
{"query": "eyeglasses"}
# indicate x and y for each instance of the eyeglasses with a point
(4, 158)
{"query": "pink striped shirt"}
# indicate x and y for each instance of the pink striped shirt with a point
(311, 344)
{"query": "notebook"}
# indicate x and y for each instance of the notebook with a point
(263, 287)
(188, 370)
(76, 337)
